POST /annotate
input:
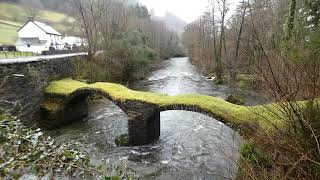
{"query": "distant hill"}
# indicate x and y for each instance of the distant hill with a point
(173, 22)
(13, 16)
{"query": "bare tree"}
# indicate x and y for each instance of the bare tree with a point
(223, 10)
(32, 8)
(86, 15)
(234, 69)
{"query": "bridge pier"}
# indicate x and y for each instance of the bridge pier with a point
(143, 123)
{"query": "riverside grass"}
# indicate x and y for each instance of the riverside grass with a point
(230, 113)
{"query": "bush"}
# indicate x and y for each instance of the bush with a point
(235, 100)
(131, 56)
(218, 81)
(25, 150)
(91, 72)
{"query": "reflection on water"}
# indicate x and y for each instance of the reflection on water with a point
(191, 146)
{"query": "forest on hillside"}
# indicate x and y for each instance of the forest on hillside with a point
(276, 46)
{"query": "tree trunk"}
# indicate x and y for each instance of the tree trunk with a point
(234, 69)
(219, 67)
(289, 25)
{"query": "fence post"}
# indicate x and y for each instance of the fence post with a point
(5, 53)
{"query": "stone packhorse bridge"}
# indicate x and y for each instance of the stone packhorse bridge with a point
(66, 101)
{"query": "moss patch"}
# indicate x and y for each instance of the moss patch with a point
(122, 140)
(231, 114)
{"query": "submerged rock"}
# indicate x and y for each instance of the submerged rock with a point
(122, 140)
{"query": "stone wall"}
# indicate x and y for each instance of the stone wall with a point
(22, 83)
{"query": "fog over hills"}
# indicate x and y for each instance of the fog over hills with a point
(172, 21)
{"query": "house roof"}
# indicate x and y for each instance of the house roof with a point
(43, 26)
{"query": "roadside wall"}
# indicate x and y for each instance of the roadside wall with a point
(22, 83)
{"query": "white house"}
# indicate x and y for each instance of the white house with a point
(37, 36)
(70, 41)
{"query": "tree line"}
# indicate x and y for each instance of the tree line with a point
(277, 42)
(226, 42)
(123, 38)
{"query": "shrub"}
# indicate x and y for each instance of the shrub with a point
(235, 99)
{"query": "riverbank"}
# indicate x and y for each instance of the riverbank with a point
(25, 153)
(102, 70)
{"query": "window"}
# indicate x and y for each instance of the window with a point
(28, 45)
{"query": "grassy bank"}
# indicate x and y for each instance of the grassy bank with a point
(12, 54)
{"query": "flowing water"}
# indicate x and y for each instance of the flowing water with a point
(191, 146)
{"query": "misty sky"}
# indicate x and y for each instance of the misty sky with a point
(188, 10)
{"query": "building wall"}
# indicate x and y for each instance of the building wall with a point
(32, 48)
(30, 30)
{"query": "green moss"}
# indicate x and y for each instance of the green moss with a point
(51, 105)
(112, 178)
(219, 108)
(122, 140)
(64, 87)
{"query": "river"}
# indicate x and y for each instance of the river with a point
(191, 146)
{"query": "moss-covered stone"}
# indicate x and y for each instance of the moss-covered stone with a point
(112, 178)
(122, 140)
(235, 115)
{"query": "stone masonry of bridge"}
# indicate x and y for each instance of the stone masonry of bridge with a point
(66, 101)
(22, 81)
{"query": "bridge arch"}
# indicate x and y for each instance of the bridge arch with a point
(143, 122)
(123, 104)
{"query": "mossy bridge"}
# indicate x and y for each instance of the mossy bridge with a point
(66, 101)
